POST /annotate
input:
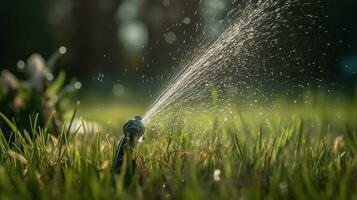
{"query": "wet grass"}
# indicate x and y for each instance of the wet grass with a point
(289, 151)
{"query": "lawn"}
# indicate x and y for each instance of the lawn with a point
(285, 151)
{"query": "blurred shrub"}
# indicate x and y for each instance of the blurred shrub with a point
(35, 94)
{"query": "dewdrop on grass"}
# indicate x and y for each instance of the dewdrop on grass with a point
(216, 175)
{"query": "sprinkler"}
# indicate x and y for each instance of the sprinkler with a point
(133, 131)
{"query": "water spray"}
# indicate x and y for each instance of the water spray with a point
(213, 64)
(133, 132)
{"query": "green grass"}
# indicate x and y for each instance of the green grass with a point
(287, 151)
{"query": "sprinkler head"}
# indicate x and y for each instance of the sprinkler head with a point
(134, 130)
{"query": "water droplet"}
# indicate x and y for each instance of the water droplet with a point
(118, 90)
(170, 37)
(216, 175)
(186, 20)
(77, 85)
(49, 76)
(62, 50)
(20, 64)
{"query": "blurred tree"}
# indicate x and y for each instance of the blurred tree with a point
(100, 35)
(94, 36)
(24, 29)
